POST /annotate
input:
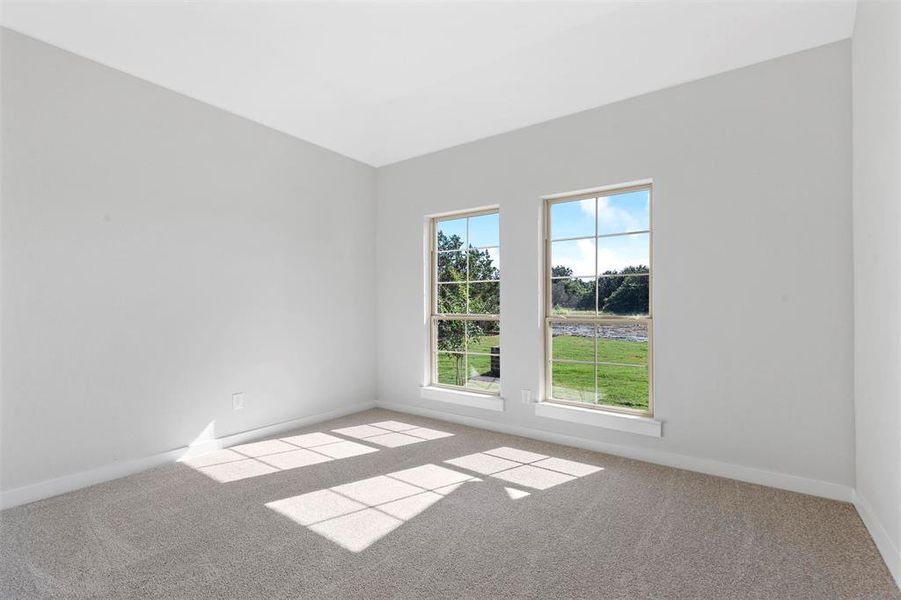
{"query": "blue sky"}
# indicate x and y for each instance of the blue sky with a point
(484, 230)
(615, 214)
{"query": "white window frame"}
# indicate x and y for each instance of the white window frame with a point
(435, 316)
(550, 318)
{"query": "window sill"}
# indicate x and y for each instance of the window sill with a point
(598, 418)
(483, 401)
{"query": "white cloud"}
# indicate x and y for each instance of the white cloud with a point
(614, 253)
(615, 219)
(587, 207)
(577, 255)
(612, 260)
(617, 253)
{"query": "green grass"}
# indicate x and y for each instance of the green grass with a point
(616, 385)
(572, 347)
(573, 312)
(452, 367)
(573, 382)
(484, 344)
(623, 386)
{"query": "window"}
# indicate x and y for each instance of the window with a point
(465, 320)
(598, 300)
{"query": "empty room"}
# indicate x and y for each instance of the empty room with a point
(453, 299)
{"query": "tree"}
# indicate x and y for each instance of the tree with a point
(454, 264)
(631, 294)
(608, 284)
(568, 292)
(574, 294)
(621, 292)
(452, 338)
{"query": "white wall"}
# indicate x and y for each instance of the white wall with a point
(159, 254)
(753, 284)
(877, 272)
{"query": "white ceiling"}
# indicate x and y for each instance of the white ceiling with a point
(383, 81)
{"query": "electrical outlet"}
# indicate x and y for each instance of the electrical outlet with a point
(238, 401)
(526, 396)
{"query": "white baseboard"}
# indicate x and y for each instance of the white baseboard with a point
(793, 483)
(891, 554)
(68, 483)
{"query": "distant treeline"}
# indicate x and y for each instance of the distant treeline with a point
(623, 292)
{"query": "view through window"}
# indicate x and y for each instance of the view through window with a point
(598, 305)
(466, 302)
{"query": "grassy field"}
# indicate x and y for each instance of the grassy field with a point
(479, 365)
(624, 386)
(572, 347)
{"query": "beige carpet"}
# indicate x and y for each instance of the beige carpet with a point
(379, 512)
